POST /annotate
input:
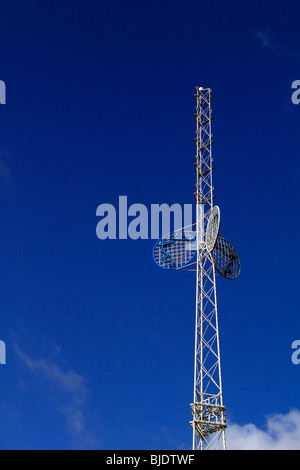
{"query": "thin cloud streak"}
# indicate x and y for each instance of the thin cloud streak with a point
(266, 40)
(70, 383)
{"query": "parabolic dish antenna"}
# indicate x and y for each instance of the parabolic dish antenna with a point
(226, 259)
(174, 250)
(212, 229)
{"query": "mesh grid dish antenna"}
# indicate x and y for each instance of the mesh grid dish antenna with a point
(213, 228)
(175, 250)
(226, 259)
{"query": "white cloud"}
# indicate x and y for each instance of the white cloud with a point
(267, 41)
(281, 432)
(72, 391)
(65, 380)
(264, 39)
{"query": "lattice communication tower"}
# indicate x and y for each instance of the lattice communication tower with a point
(202, 248)
(209, 421)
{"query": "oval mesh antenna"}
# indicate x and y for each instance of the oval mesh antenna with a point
(213, 228)
(175, 250)
(226, 259)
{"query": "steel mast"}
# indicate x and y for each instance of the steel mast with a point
(209, 421)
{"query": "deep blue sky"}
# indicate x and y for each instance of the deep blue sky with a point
(100, 341)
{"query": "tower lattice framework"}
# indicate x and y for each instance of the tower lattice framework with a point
(209, 421)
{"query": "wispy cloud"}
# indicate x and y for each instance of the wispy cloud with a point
(73, 394)
(264, 39)
(268, 41)
(281, 432)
